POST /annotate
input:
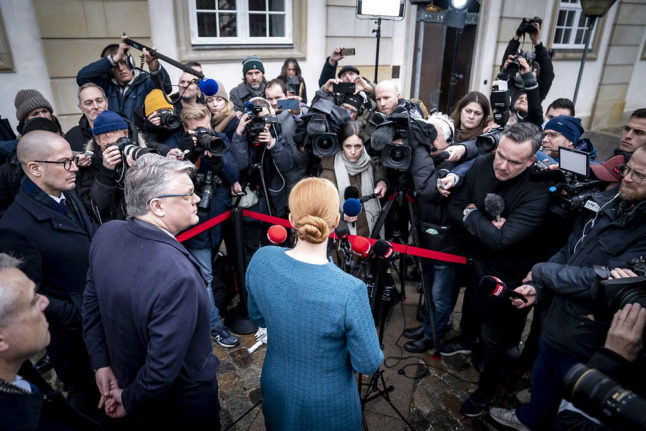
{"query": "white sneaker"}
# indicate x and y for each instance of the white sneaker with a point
(508, 418)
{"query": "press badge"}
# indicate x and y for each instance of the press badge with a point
(592, 206)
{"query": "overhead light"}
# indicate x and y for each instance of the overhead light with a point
(383, 8)
(596, 7)
(459, 4)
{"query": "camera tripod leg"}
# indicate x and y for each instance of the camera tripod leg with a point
(426, 289)
(376, 388)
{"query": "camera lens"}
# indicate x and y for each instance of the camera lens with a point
(397, 154)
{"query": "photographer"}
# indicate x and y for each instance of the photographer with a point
(263, 156)
(353, 167)
(563, 131)
(525, 98)
(100, 185)
(290, 121)
(619, 360)
(125, 87)
(541, 56)
(611, 233)
(347, 73)
(158, 122)
(253, 82)
(217, 170)
(435, 231)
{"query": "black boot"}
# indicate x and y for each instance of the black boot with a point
(414, 333)
(419, 346)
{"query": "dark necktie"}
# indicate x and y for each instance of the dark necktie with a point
(68, 211)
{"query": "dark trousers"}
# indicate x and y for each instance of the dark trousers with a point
(547, 376)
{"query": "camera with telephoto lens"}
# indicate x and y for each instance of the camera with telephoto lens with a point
(259, 123)
(208, 140)
(599, 396)
(618, 292)
(527, 26)
(168, 118)
(206, 184)
(129, 148)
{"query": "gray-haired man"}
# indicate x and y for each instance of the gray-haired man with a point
(146, 310)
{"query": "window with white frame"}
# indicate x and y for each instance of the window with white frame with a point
(571, 26)
(241, 22)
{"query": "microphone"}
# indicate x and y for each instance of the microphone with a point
(360, 246)
(352, 207)
(342, 230)
(494, 204)
(208, 86)
(362, 199)
(277, 234)
(353, 192)
(497, 287)
(350, 192)
(383, 249)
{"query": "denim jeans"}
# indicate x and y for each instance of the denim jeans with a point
(203, 257)
(439, 277)
(550, 367)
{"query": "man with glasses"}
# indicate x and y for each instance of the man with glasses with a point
(49, 213)
(610, 232)
(146, 309)
(563, 131)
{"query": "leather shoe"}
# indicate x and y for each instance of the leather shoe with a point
(419, 346)
(414, 333)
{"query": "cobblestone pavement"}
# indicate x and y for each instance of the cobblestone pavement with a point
(429, 403)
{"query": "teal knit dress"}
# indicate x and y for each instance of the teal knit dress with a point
(319, 329)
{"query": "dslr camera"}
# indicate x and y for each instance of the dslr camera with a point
(514, 66)
(169, 119)
(208, 140)
(258, 123)
(618, 292)
(527, 26)
(129, 148)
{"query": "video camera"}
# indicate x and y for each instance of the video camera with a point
(404, 123)
(258, 123)
(208, 140)
(500, 100)
(324, 120)
(576, 187)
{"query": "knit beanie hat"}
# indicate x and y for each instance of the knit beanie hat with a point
(252, 62)
(28, 100)
(354, 100)
(108, 121)
(221, 91)
(570, 127)
(155, 101)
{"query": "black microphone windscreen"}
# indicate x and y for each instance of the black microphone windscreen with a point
(493, 285)
(351, 192)
(494, 204)
(383, 248)
(342, 230)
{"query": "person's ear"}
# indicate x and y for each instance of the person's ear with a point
(157, 208)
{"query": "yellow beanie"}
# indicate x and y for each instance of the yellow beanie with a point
(155, 101)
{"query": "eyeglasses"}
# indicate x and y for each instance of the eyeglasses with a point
(67, 163)
(636, 176)
(551, 135)
(177, 195)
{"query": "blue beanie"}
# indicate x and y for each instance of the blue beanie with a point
(570, 127)
(108, 121)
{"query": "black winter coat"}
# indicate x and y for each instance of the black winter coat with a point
(577, 320)
(510, 249)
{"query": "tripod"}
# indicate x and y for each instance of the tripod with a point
(380, 302)
(403, 193)
(239, 320)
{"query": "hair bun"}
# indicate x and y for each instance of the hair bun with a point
(312, 229)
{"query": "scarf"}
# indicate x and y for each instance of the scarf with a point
(343, 169)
